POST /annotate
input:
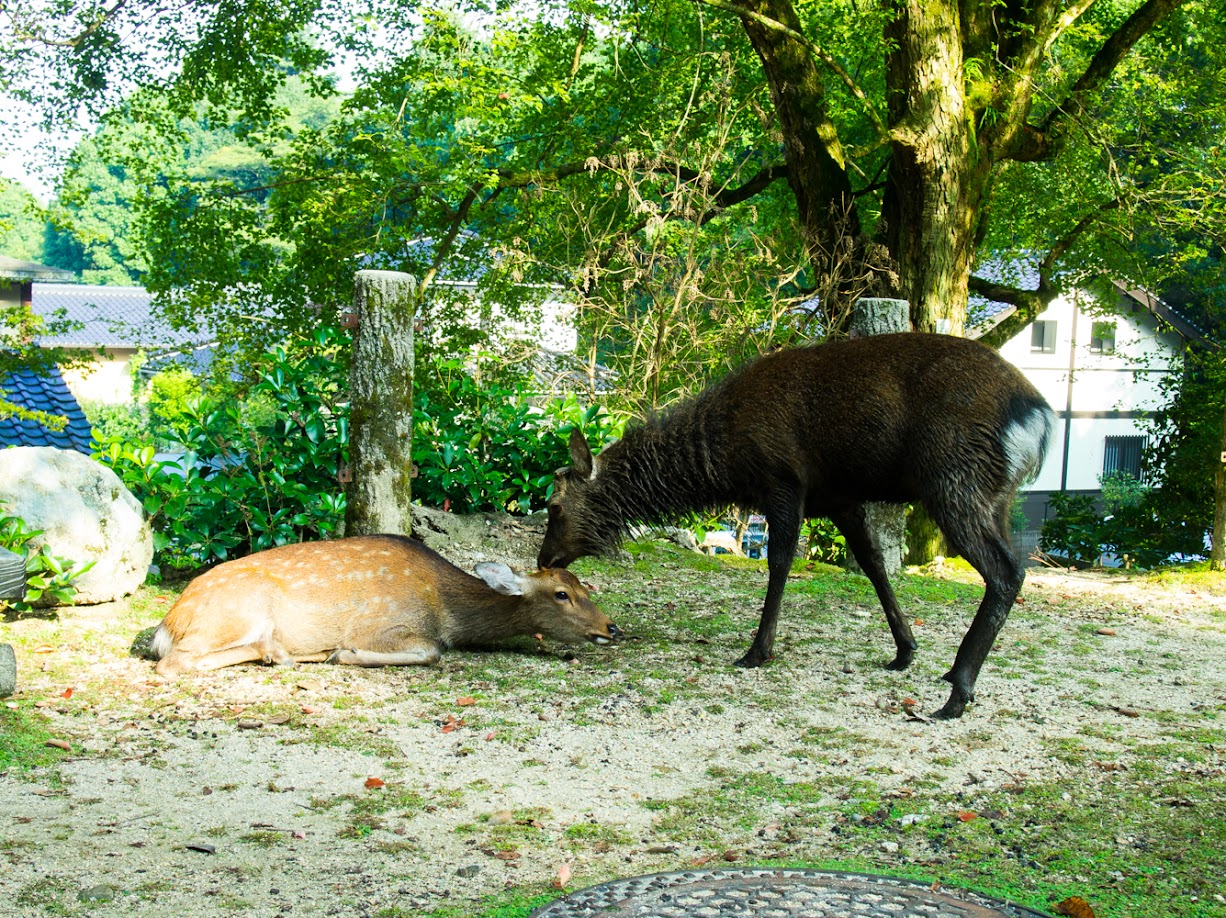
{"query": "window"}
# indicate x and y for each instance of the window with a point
(1123, 454)
(1043, 337)
(1102, 338)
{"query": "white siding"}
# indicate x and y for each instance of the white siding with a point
(1107, 389)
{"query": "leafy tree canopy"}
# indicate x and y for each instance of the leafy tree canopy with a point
(690, 171)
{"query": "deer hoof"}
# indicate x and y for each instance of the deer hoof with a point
(902, 661)
(752, 660)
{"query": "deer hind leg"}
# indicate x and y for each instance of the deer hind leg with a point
(865, 550)
(267, 651)
(984, 541)
(411, 652)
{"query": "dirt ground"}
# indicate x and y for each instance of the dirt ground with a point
(327, 791)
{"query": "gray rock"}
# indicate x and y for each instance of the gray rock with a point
(85, 513)
(8, 671)
(97, 894)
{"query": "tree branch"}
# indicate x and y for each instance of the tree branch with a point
(824, 56)
(1100, 68)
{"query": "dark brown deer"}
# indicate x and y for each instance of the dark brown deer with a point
(377, 600)
(820, 431)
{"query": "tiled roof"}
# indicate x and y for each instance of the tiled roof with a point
(43, 393)
(14, 269)
(111, 317)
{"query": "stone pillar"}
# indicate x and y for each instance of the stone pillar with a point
(887, 524)
(379, 486)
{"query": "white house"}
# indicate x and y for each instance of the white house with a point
(1100, 366)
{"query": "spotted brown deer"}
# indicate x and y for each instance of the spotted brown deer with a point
(378, 600)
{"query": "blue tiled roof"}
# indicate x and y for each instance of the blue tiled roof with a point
(43, 393)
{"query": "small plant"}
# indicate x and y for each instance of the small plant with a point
(49, 578)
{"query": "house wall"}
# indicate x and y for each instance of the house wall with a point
(1095, 395)
(108, 379)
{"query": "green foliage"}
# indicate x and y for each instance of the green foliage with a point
(48, 577)
(126, 421)
(824, 542)
(171, 391)
(1187, 440)
(248, 479)
(1129, 526)
(481, 445)
(23, 224)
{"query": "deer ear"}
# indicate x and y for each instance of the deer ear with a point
(500, 578)
(580, 454)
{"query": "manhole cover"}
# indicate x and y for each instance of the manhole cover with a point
(765, 893)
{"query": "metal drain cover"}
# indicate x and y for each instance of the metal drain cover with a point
(766, 893)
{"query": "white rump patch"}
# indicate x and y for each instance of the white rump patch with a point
(162, 643)
(1025, 444)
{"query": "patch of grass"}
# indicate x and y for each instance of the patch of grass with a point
(48, 895)
(345, 736)
(23, 741)
(262, 838)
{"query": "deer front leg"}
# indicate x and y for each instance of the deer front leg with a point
(784, 528)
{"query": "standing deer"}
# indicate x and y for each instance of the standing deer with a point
(379, 600)
(820, 431)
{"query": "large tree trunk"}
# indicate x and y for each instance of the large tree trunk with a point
(937, 174)
(381, 405)
(1217, 554)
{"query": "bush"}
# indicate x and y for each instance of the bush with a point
(254, 472)
(48, 577)
(486, 447)
(261, 470)
(1128, 526)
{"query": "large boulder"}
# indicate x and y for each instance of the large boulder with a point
(85, 513)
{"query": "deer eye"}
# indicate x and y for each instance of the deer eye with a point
(561, 596)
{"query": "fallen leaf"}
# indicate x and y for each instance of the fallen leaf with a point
(465, 701)
(372, 783)
(277, 719)
(67, 693)
(1074, 907)
(59, 744)
(202, 848)
(731, 856)
(919, 622)
(246, 724)
(490, 735)
(967, 815)
(507, 855)
(44, 648)
(307, 709)
(539, 637)
(563, 877)
(297, 833)
(1105, 631)
(1127, 712)
(700, 861)
(502, 818)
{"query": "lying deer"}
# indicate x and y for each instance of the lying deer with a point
(364, 601)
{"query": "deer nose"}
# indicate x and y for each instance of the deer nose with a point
(614, 631)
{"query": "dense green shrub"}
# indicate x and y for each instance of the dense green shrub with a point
(251, 472)
(484, 446)
(262, 469)
(1128, 525)
(49, 577)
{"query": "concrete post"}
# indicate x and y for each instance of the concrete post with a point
(379, 488)
(887, 524)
